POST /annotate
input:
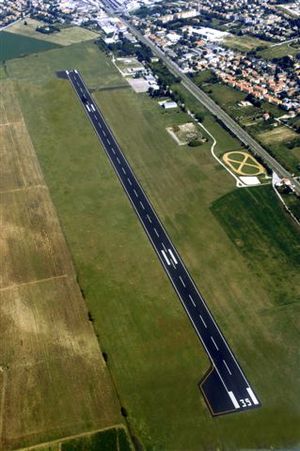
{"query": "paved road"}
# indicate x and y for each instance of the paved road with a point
(226, 388)
(200, 95)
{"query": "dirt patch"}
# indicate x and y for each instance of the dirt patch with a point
(185, 133)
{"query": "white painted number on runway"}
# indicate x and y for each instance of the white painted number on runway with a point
(245, 402)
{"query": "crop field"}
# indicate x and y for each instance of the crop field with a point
(66, 36)
(153, 353)
(14, 45)
(53, 381)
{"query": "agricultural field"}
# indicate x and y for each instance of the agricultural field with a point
(153, 354)
(66, 35)
(53, 380)
(14, 45)
(282, 134)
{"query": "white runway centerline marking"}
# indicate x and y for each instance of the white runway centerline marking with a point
(181, 280)
(104, 133)
(123, 170)
(149, 219)
(173, 256)
(142, 205)
(165, 257)
(156, 232)
(108, 141)
(129, 181)
(114, 152)
(252, 396)
(234, 400)
(136, 194)
(118, 160)
(204, 323)
(215, 344)
(192, 300)
(227, 367)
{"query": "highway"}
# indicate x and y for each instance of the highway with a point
(226, 388)
(217, 111)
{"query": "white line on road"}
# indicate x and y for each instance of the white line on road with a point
(156, 232)
(173, 256)
(252, 396)
(204, 323)
(181, 280)
(192, 300)
(234, 400)
(114, 152)
(104, 133)
(165, 257)
(123, 170)
(118, 160)
(215, 344)
(142, 205)
(136, 194)
(149, 219)
(227, 367)
(108, 141)
(129, 181)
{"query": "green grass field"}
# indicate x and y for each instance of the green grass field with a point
(110, 439)
(279, 51)
(66, 36)
(14, 45)
(153, 353)
(244, 43)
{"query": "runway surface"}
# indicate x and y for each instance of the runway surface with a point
(225, 388)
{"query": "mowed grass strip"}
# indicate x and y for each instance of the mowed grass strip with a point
(153, 352)
(53, 379)
(14, 45)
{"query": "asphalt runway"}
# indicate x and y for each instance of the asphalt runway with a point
(225, 388)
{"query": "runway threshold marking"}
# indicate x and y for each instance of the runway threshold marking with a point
(234, 400)
(252, 396)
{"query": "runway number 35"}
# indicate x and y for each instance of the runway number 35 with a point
(245, 402)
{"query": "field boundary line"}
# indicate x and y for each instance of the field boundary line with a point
(2, 403)
(24, 188)
(71, 437)
(34, 282)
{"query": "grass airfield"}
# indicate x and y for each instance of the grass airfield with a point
(253, 291)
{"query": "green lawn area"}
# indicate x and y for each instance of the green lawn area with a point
(109, 440)
(97, 70)
(66, 36)
(14, 45)
(113, 439)
(244, 43)
(153, 353)
(279, 51)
